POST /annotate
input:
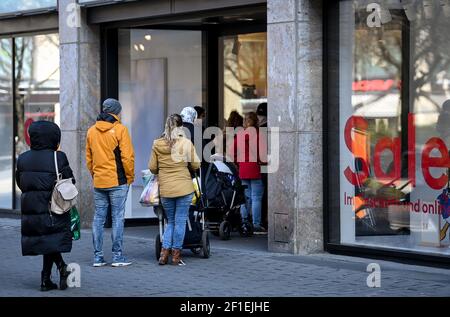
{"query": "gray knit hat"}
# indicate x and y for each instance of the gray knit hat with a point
(111, 105)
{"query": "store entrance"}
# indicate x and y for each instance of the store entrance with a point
(160, 73)
(216, 62)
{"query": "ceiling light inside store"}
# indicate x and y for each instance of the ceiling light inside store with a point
(142, 47)
(136, 47)
(246, 19)
(148, 37)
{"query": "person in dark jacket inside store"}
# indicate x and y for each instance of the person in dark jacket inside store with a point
(189, 115)
(193, 131)
(44, 233)
(262, 115)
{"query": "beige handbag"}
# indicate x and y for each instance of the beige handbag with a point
(64, 193)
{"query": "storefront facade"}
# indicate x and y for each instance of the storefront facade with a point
(355, 90)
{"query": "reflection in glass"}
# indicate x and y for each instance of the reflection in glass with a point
(6, 124)
(394, 121)
(36, 84)
(376, 96)
(9, 6)
(86, 1)
(244, 73)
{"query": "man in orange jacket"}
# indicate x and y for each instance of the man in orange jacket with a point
(110, 160)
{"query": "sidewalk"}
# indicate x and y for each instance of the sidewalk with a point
(239, 267)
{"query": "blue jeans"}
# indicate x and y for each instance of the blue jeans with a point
(254, 194)
(115, 198)
(177, 211)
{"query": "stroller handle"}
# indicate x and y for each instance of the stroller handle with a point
(197, 175)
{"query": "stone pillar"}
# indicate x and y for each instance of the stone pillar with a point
(295, 106)
(79, 95)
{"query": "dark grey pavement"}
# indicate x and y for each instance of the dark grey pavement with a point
(239, 267)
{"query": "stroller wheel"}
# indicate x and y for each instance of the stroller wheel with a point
(225, 230)
(158, 246)
(206, 249)
(196, 251)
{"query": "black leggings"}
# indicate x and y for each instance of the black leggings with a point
(49, 259)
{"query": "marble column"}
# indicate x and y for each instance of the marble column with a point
(79, 95)
(295, 106)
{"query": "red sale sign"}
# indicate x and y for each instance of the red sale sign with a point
(440, 159)
(26, 127)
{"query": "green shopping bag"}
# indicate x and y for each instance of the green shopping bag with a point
(75, 224)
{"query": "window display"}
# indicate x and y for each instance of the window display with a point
(29, 91)
(244, 72)
(6, 124)
(394, 127)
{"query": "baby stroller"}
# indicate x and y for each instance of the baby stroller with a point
(196, 237)
(223, 196)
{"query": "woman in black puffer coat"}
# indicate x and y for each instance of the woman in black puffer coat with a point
(43, 232)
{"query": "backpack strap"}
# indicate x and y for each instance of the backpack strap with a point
(58, 175)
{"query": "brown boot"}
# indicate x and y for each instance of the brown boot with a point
(164, 256)
(176, 257)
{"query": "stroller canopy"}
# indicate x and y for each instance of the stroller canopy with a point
(222, 167)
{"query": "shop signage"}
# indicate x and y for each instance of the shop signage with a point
(434, 155)
(373, 85)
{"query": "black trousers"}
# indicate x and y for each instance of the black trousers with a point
(49, 259)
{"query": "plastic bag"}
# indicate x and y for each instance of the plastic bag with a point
(75, 224)
(196, 195)
(146, 176)
(150, 194)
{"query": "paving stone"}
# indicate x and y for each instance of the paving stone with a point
(231, 271)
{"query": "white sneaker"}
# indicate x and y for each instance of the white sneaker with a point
(99, 263)
(122, 262)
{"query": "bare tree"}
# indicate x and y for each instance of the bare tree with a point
(25, 82)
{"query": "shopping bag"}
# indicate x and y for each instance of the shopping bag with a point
(150, 194)
(146, 176)
(75, 224)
